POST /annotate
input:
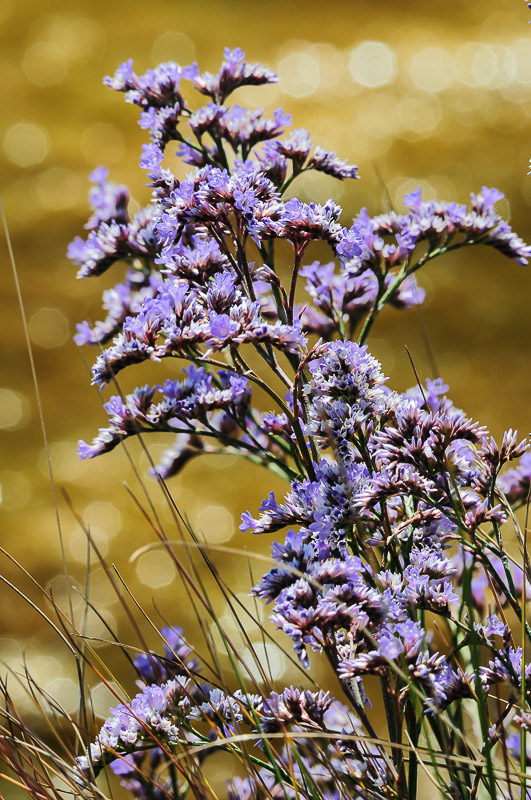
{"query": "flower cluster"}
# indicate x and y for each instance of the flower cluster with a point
(201, 278)
(185, 710)
(410, 472)
(185, 406)
(398, 500)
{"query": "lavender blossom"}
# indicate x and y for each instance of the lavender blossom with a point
(347, 391)
(184, 405)
(382, 483)
(516, 482)
(293, 706)
(124, 729)
(301, 223)
(177, 659)
(120, 302)
(157, 88)
(326, 507)
(234, 72)
(330, 164)
(108, 200)
(296, 147)
(114, 241)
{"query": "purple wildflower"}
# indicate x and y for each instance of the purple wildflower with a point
(330, 164)
(234, 72)
(295, 707)
(108, 200)
(184, 404)
(295, 147)
(516, 482)
(301, 223)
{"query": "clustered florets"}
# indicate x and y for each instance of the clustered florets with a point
(184, 708)
(383, 484)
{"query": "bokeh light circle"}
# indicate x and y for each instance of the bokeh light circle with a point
(372, 64)
(44, 64)
(26, 144)
(299, 74)
(48, 328)
(14, 409)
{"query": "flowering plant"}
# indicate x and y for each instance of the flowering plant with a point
(394, 567)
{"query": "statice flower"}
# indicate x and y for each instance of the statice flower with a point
(121, 301)
(184, 405)
(325, 506)
(151, 710)
(162, 126)
(179, 316)
(177, 659)
(397, 501)
(331, 595)
(332, 766)
(347, 392)
(226, 711)
(494, 627)
(113, 241)
(507, 668)
(191, 288)
(330, 164)
(109, 201)
(243, 129)
(157, 88)
(295, 707)
(234, 72)
(440, 224)
(296, 147)
(516, 482)
(345, 296)
(415, 453)
(271, 162)
(301, 223)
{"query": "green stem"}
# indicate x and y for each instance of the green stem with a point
(381, 300)
(259, 454)
(289, 181)
(299, 253)
(414, 728)
(392, 716)
(482, 699)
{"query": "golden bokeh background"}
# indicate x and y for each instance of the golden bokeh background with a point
(436, 95)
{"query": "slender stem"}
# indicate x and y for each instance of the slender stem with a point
(248, 373)
(180, 138)
(378, 304)
(221, 150)
(267, 251)
(482, 700)
(239, 239)
(393, 717)
(351, 691)
(226, 251)
(292, 418)
(259, 452)
(413, 728)
(299, 253)
(289, 181)
(382, 299)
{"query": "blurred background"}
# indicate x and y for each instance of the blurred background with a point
(411, 93)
